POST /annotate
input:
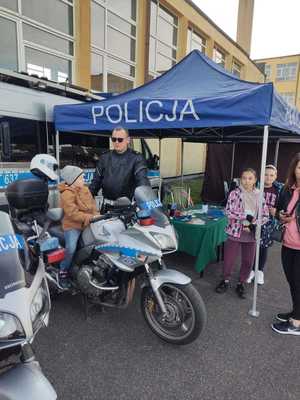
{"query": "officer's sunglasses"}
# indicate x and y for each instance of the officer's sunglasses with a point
(117, 139)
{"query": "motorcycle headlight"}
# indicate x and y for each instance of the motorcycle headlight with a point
(165, 242)
(40, 306)
(10, 327)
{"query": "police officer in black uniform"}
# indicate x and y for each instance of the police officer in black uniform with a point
(119, 171)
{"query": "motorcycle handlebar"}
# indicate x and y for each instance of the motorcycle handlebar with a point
(100, 218)
(114, 213)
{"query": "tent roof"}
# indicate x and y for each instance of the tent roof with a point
(196, 98)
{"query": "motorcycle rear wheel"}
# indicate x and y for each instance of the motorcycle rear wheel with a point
(186, 313)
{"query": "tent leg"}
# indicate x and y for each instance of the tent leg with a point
(182, 150)
(160, 178)
(56, 193)
(276, 153)
(57, 146)
(253, 312)
(232, 162)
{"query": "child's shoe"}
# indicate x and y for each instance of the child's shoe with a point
(251, 276)
(64, 280)
(260, 278)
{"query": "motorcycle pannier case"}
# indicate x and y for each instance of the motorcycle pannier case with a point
(27, 194)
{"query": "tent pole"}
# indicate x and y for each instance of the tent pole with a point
(276, 153)
(232, 162)
(160, 178)
(182, 151)
(253, 312)
(57, 146)
(56, 195)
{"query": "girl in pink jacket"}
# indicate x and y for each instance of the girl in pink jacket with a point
(242, 213)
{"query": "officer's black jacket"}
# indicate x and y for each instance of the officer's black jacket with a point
(119, 174)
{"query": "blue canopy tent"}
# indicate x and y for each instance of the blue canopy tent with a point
(196, 100)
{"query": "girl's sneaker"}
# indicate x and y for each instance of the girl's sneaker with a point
(240, 290)
(284, 317)
(251, 276)
(260, 278)
(286, 328)
(222, 286)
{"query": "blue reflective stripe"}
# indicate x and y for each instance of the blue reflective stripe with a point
(126, 251)
(151, 204)
(117, 249)
(7, 177)
(11, 242)
(153, 172)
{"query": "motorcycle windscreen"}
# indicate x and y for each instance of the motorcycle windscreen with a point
(147, 200)
(12, 245)
(26, 382)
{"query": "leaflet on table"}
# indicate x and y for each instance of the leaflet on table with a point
(197, 221)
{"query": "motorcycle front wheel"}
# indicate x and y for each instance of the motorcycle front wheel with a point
(186, 313)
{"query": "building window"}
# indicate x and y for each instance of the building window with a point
(268, 71)
(8, 44)
(286, 72)
(46, 39)
(113, 40)
(236, 69)
(10, 4)
(163, 39)
(289, 97)
(219, 57)
(50, 66)
(195, 41)
(55, 14)
(97, 69)
(38, 38)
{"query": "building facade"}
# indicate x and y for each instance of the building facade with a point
(114, 46)
(284, 72)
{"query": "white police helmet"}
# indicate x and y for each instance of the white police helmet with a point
(45, 166)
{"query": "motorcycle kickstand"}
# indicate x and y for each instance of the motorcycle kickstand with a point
(88, 305)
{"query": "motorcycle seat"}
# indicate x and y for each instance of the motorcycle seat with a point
(57, 231)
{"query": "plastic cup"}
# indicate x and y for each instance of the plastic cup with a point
(205, 208)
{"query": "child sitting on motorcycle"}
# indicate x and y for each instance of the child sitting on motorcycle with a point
(79, 209)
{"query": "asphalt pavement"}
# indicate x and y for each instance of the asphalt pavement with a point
(114, 356)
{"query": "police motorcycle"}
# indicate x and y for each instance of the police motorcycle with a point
(24, 306)
(126, 244)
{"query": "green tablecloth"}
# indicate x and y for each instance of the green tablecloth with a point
(201, 241)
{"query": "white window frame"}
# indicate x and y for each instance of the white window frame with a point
(236, 66)
(283, 71)
(105, 53)
(202, 37)
(222, 52)
(158, 40)
(18, 34)
(107, 70)
(22, 44)
(268, 68)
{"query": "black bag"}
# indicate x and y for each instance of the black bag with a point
(279, 229)
(278, 232)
